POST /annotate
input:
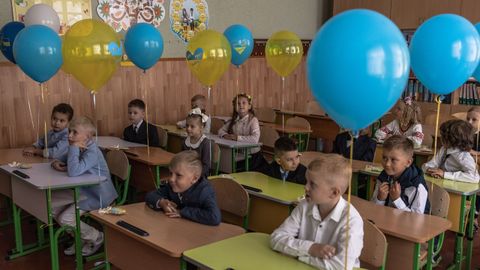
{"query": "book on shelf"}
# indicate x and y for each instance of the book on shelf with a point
(469, 94)
(419, 92)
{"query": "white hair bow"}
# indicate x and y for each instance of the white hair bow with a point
(198, 111)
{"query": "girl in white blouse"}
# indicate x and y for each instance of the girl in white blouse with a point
(243, 126)
(407, 123)
(454, 160)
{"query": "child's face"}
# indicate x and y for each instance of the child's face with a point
(289, 160)
(318, 190)
(398, 112)
(59, 121)
(135, 114)
(199, 103)
(182, 178)
(194, 127)
(78, 134)
(243, 106)
(395, 161)
(474, 119)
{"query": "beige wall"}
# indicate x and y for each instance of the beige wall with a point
(262, 17)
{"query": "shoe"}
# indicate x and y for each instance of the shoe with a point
(69, 251)
(89, 248)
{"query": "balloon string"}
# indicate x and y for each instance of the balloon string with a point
(94, 102)
(69, 90)
(283, 104)
(43, 94)
(349, 195)
(237, 89)
(31, 114)
(143, 85)
(438, 100)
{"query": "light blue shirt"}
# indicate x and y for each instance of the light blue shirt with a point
(57, 144)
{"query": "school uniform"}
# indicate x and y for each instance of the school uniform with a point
(414, 133)
(457, 165)
(298, 176)
(413, 194)
(363, 146)
(202, 147)
(198, 203)
(138, 134)
(57, 144)
(305, 226)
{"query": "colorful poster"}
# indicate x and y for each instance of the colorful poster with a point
(188, 17)
(69, 11)
(121, 14)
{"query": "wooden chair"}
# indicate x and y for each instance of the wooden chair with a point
(216, 125)
(268, 136)
(431, 118)
(162, 137)
(374, 252)
(314, 108)
(233, 201)
(300, 122)
(267, 115)
(216, 153)
(378, 155)
(460, 115)
(309, 156)
(120, 169)
(428, 135)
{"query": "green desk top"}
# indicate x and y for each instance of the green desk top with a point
(272, 189)
(174, 130)
(451, 186)
(247, 251)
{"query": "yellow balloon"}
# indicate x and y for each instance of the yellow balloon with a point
(91, 53)
(284, 52)
(208, 56)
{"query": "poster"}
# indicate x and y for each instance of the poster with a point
(121, 14)
(69, 11)
(188, 17)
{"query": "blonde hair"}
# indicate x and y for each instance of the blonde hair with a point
(335, 168)
(190, 158)
(85, 123)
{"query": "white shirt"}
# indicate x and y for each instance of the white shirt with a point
(414, 133)
(416, 201)
(459, 165)
(137, 126)
(247, 129)
(304, 227)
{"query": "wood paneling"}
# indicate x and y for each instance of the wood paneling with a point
(170, 86)
(381, 6)
(471, 10)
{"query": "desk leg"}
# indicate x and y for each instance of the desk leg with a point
(354, 184)
(430, 254)
(51, 232)
(247, 161)
(157, 171)
(416, 256)
(234, 160)
(78, 241)
(458, 256)
(468, 261)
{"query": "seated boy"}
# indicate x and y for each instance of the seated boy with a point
(315, 230)
(57, 137)
(401, 184)
(137, 132)
(198, 101)
(286, 164)
(187, 194)
(84, 157)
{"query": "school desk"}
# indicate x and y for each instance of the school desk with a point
(168, 238)
(357, 167)
(246, 251)
(176, 136)
(34, 195)
(110, 142)
(9, 156)
(270, 207)
(405, 232)
(301, 134)
(459, 192)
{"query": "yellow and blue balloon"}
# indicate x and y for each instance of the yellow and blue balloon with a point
(284, 52)
(241, 43)
(143, 45)
(7, 35)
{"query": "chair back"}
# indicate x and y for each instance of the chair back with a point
(215, 165)
(298, 122)
(232, 200)
(431, 118)
(428, 135)
(216, 125)
(439, 200)
(378, 155)
(374, 252)
(309, 156)
(460, 115)
(162, 137)
(267, 115)
(118, 164)
(314, 108)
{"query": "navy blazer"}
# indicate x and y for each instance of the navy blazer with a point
(363, 147)
(198, 203)
(141, 137)
(297, 176)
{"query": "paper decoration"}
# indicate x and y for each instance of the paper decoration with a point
(188, 17)
(69, 11)
(121, 14)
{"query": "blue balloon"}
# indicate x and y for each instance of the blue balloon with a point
(241, 41)
(476, 73)
(357, 67)
(7, 35)
(445, 51)
(143, 45)
(38, 52)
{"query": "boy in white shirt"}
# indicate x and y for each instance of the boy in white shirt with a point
(316, 230)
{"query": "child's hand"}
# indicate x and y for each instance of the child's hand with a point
(383, 191)
(395, 190)
(322, 251)
(232, 137)
(81, 145)
(59, 166)
(436, 172)
(168, 206)
(32, 151)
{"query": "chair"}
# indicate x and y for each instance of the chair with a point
(120, 169)
(374, 252)
(460, 115)
(431, 118)
(268, 136)
(215, 158)
(300, 122)
(216, 125)
(309, 156)
(428, 135)
(233, 201)
(314, 108)
(267, 115)
(162, 137)
(378, 155)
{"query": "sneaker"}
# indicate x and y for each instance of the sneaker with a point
(69, 251)
(89, 248)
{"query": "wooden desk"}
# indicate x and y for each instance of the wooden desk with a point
(108, 142)
(269, 208)
(168, 239)
(405, 231)
(34, 195)
(246, 251)
(176, 136)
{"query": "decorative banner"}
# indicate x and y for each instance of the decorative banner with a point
(122, 14)
(69, 11)
(188, 17)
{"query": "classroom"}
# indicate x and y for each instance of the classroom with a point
(222, 134)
